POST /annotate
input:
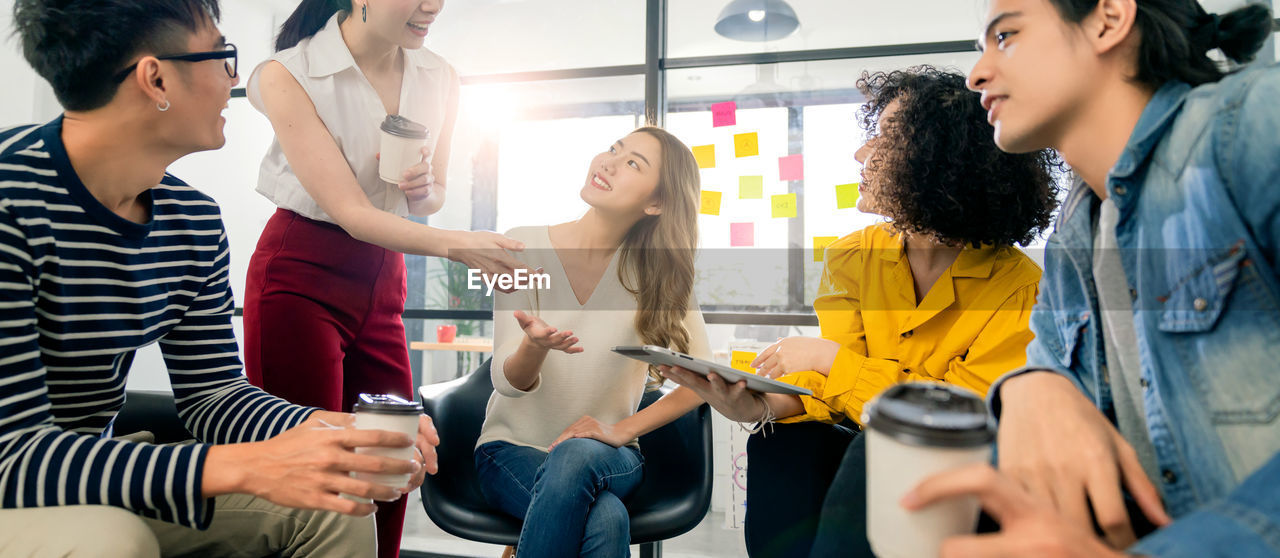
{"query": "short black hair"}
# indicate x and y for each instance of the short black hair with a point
(79, 45)
(1176, 36)
(939, 172)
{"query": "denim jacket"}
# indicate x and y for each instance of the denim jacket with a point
(1198, 192)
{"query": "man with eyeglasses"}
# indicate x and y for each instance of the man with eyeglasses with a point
(102, 253)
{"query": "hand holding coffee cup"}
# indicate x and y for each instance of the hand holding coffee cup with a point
(418, 180)
(394, 414)
(914, 431)
(402, 147)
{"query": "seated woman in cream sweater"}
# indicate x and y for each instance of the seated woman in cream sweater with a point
(559, 444)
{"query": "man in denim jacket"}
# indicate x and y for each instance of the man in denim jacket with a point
(1157, 350)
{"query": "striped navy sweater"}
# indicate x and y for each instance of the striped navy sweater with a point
(80, 290)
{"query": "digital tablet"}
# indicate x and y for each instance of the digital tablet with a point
(653, 354)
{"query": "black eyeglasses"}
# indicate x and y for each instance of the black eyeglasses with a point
(230, 54)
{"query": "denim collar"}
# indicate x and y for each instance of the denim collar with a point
(1156, 118)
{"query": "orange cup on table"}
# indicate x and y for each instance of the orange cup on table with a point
(446, 333)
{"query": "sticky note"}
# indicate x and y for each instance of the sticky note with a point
(746, 145)
(724, 114)
(750, 187)
(846, 196)
(742, 234)
(706, 156)
(710, 203)
(741, 360)
(791, 167)
(820, 246)
(784, 206)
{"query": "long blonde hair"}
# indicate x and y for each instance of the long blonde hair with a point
(656, 259)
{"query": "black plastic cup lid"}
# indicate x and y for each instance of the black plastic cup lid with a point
(931, 414)
(400, 126)
(386, 404)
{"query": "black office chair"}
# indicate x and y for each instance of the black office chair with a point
(672, 499)
(151, 411)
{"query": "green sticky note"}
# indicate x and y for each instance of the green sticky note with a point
(750, 187)
(784, 206)
(846, 196)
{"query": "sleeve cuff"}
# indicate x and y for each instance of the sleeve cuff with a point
(993, 396)
(815, 410)
(504, 387)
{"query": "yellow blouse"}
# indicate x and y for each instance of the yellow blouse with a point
(970, 328)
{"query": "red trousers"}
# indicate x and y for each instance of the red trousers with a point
(322, 325)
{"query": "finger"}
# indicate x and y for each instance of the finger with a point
(562, 437)
(353, 438)
(510, 244)
(427, 429)
(1000, 496)
(988, 545)
(523, 319)
(1144, 493)
(718, 385)
(774, 361)
(1108, 508)
(426, 154)
(1070, 499)
(768, 352)
(346, 484)
(420, 184)
(335, 503)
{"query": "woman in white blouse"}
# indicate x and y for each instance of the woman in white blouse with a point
(326, 285)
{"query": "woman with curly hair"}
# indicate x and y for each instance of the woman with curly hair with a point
(936, 293)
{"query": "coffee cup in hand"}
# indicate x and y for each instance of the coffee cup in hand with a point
(401, 147)
(914, 431)
(387, 412)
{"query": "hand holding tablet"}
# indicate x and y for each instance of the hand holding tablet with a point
(662, 356)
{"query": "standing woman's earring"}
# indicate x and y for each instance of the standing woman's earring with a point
(364, 13)
(164, 107)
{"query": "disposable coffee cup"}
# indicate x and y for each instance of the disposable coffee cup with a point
(401, 147)
(914, 431)
(387, 412)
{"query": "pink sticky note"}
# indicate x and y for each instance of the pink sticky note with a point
(724, 114)
(742, 234)
(791, 167)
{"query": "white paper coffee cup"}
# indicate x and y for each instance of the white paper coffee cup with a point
(401, 147)
(387, 412)
(915, 431)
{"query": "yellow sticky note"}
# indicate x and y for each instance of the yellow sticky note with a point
(741, 360)
(746, 145)
(784, 206)
(820, 244)
(750, 187)
(710, 203)
(846, 196)
(706, 156)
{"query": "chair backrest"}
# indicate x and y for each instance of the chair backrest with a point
(457, 409)
(672, 499)
(153, 411)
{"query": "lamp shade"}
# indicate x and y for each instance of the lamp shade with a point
(757, 20)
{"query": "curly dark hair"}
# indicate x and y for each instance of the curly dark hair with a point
(937, 168)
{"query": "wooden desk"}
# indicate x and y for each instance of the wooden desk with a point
(460, 344)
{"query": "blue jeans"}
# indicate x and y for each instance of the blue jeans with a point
(570, 500)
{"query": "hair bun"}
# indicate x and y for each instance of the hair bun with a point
(1239, 33)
